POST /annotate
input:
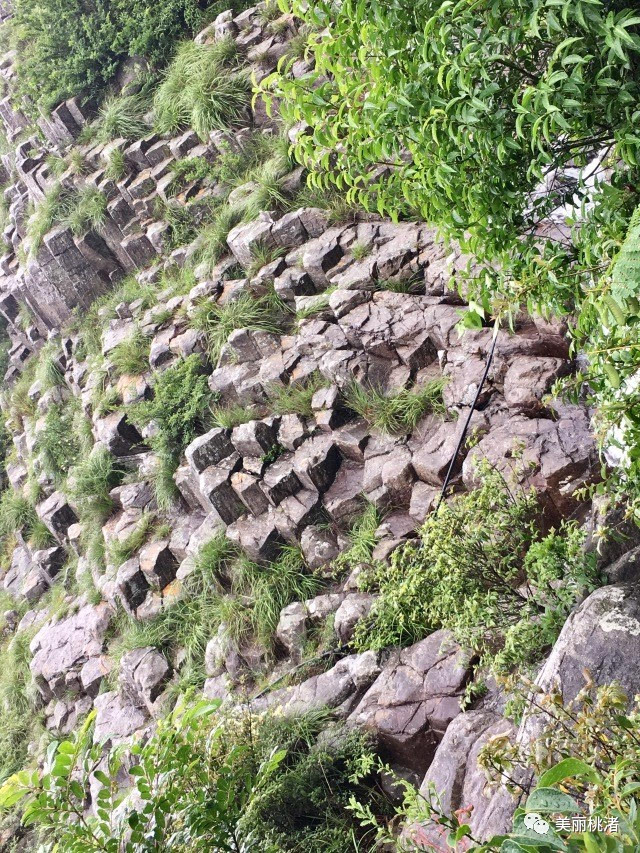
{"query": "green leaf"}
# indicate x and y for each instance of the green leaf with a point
(566, 769)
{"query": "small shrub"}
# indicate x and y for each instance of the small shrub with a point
(263, 782)
(131, 357)
(202, 89)
(296, 397)
(188, 170)
(179, 409)
(482, 570)
(399, 412)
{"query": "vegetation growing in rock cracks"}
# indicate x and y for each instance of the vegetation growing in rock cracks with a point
(494, 120)
(178, 409)
(482, 569)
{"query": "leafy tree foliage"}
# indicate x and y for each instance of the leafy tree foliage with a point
(69, 47)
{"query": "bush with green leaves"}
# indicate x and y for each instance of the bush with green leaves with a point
(253, 783)
(75, 48)
(493, 118)
(482, 569)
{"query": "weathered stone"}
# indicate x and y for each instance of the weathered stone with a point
(216, 488)
(57, 514)
(280, 480)
(414, 699)
(93, 672)
(118, 435)
(343, 500)
(456, 777)
(64, 647)
(143, 675)
(158, 564)
(258, 537)
(247, 487)
(245, 238)
(354, 607)
(253, 438)
(528, 379)
(319, 546)
(209, 449)
(116, 719)
(132, 584)
(317, 461)
(291, 630)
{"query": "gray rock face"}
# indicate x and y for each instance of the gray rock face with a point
(143, 675)
(65, 647)
(57, 514)
(414, 699)
(116, 719)
(603, 636)
(455, 774)
(355, 606)
(208, 449)
(292, 628)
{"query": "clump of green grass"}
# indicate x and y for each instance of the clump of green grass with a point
(78, 163)
(261, 255)
(121, 115)
(339, 210)
(232, 415)
(18, 722)
(360, 251)
(40, 536)
(399, 412)
(203, 88)
(45, 215)
(86, 210)
(17, 514)
(116, 167)
(90, 482)
(270, 11)
(295, 399)
(245, 312)
(121, 550)
(57, 443)
(214, 235)
(47, 368)
(362, 541)
(320, 303)
(56, 164)
(131, 356)
(188, 170)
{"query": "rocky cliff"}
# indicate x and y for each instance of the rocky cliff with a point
(359, 301)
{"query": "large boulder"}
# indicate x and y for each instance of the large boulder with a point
(454, 774)
(60, 650)
(143, 675)
(411, 703)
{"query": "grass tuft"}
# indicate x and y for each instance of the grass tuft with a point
(131, 357)
(396, 413)
(203, 89)
(121, 115)
(295, 399)
(246, 312)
